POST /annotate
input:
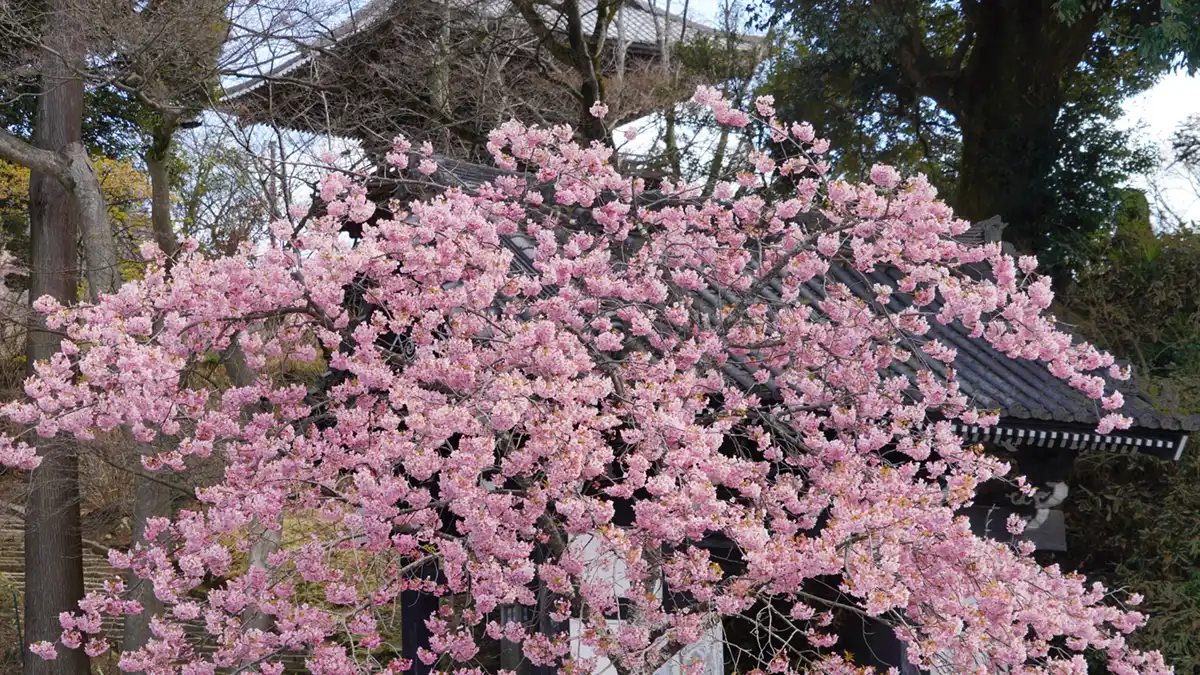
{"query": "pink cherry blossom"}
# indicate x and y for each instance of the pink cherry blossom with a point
(884, 176)
(566, 426)
(45, 650)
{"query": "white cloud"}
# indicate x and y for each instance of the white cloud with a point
(1157, 113)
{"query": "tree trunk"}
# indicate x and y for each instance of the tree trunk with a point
(672, 144)
(1007, 102)
(68, 164)
(53, 547)
(717, 163)
(416, 607)
(151, 499)
(266, 539)
(439, 85)
(1006, 156)
(591, 127)
(99, 244)
(266, 542)
(160, 190)
(586, 54)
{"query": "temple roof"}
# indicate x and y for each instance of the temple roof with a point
(1036, 408)
(450, 71)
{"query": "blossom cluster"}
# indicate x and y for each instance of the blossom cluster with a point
(538, 397)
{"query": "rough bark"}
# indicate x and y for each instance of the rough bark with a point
(69, 166)
(581, 52)
(717, 162)
(439, 85)
(586, 57)
(1007, 102)
(156, 159)
(53, 546)
(1005, 160)
(99, 244)
(266, 539)
(266, 542)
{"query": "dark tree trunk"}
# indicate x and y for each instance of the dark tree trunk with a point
(591, 128)
(1006, 157)
(53, 556)
(53, 549)
(1007, 102)
(672, 143)
(586, 51)
(581, 52)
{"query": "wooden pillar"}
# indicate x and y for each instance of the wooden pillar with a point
(546, 624)
(511, 656)
(415, 608)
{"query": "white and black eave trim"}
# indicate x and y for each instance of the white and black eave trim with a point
(1079, 441)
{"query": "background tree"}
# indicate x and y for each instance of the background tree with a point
(1177, 181)
(451, 72)
(224, 199)
(579, 49)
(1133, 521)
(1002, 103)
(64, 194)
(74, 45)
(126, 190)
(682, 142)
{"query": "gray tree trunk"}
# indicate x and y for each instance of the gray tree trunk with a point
(151, 499)
(266, 540)
(53, 546)
(160, 188)
(99, 243)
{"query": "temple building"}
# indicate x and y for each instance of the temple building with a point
(449, 71)
(1045, 425)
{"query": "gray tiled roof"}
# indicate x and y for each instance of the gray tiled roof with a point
(1022, 390)
(639, 17)
(1019, 388)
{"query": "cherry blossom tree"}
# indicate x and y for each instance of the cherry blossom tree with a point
(490, 418)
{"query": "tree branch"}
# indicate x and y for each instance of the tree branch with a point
(99, 244)
(925, 73)
(73, 170)
(17, 151)
(546, 36)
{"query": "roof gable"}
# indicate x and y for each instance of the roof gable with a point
(644, 27)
